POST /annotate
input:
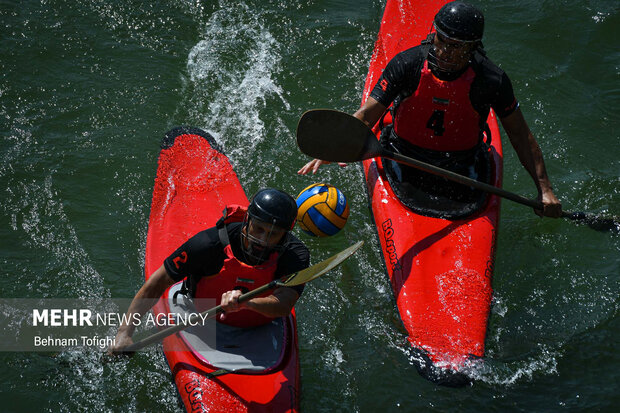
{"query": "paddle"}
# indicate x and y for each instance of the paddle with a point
(335, 136)
(300, 277)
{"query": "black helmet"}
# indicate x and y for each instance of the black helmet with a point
(460, 21)
(275, 207)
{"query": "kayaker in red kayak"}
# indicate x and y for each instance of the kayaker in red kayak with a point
(224, 261)
(442, 92)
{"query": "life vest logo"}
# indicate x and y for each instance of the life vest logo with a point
(440, 101)
(390, 248)
(245, 280)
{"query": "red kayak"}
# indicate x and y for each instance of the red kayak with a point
(440, 265)
(240, 370)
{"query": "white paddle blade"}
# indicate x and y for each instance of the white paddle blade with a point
(315, 271)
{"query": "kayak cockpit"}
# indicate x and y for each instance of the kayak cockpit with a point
(434, 196)
(220, 346)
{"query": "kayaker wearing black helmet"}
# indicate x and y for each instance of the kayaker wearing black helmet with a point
(442, 92)
(242, 252)
(459, 28)
(270, 216)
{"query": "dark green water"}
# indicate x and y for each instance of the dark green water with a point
(87, 89)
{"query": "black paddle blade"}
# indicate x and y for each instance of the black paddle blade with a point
(599, 223)
(335, 136)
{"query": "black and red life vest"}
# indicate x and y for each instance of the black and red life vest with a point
(439, 114)
(236, 275)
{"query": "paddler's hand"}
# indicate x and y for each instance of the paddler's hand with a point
(121, 341)
(314, 165)
(230, 302)
(552, 207)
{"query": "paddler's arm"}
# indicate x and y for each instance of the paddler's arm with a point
(531, 157)
(145, 298)
(370, 113)
(278, 304)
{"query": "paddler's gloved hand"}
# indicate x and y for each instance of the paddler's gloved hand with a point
(230, 302)
(552, 207)
(313, 166)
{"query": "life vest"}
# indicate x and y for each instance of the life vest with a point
(439, 114)
(236, 275)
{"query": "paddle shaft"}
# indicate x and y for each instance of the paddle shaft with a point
(596, 222)
(205, 315)
(460, 179)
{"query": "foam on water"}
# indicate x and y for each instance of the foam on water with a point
(232, 71)
(541, 362)
(38, 219)
(532, 324)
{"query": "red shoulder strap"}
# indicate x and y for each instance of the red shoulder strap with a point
(232, 213)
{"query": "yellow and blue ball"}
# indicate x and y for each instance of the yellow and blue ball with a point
(322, 210)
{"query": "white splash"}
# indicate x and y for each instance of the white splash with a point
(232, 70)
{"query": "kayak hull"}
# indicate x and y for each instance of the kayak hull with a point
(194, 183)
(440, 269)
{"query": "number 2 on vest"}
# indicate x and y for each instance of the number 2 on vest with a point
(435, 122)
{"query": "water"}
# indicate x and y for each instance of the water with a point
(87, 89)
